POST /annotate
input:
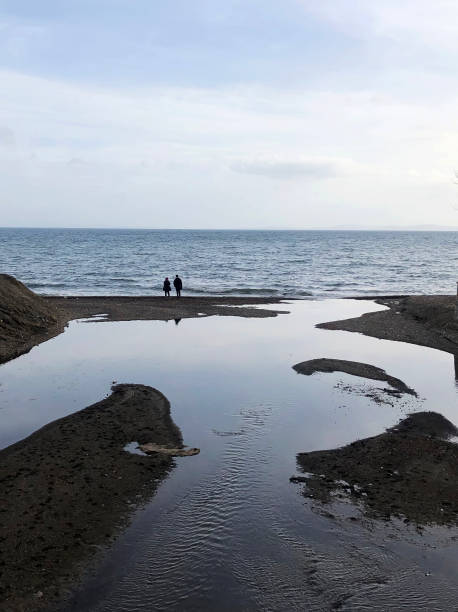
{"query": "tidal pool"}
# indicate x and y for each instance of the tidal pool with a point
(227, 530)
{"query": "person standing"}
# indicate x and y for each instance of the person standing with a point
(178, 285)
(167, 286)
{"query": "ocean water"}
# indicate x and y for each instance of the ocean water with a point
(272, 263)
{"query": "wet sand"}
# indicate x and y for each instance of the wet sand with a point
(409, 472)
(67, 489)
(145, 308)
(355, 368)
(427, 320)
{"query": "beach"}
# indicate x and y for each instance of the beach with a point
(424, 320)
(90, 441)
(228, 307)
(29, 319)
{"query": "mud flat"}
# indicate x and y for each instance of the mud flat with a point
(69, 487)
(355, 368)
(409, 472)
(427, 320)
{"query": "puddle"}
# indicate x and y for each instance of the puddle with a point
(227, 530)
(132, 447)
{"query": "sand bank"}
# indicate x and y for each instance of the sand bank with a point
(355, 368)
(154, 308)
(427, 320)
(68, 488)
(409, 472)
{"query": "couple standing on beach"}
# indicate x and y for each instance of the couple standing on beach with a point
(176, 283)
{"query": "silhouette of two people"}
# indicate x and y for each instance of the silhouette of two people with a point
(177, 283)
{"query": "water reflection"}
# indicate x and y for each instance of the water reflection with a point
(231, 531)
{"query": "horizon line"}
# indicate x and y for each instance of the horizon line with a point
(386, 228)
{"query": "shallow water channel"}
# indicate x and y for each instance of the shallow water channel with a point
(227, 530)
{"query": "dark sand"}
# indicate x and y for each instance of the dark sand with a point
(25, 319)
(409, 472)
(355, 368)
(68, 488)
(427, 320)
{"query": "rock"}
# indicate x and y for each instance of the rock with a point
(151, 448)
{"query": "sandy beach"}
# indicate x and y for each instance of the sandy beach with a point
(69, 488)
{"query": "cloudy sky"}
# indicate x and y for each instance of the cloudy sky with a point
(228, 113)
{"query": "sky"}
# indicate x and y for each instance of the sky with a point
(228, 114)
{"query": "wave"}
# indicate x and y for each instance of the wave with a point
(122, 280)
(129, 286)
(249, 291)
(37, 285)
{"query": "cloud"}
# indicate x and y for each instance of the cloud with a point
(287, 169)
(208, 152)
(6, 137)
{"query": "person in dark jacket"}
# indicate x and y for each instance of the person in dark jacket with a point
(167, 286)
(178, 285)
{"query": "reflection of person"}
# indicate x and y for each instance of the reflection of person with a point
(166, 287)
(178, 285)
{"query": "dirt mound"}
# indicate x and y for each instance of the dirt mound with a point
(25, 318)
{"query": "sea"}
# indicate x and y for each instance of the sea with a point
(297, 264)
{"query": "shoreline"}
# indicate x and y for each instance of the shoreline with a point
(424, 320)
(160, 308)
(415, 319)
(407, 472)
(28, 319)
